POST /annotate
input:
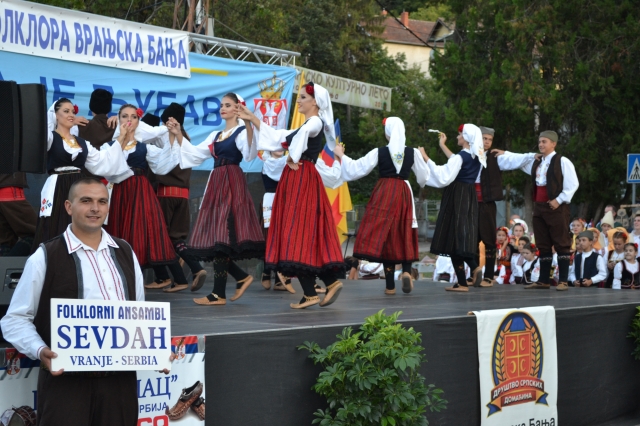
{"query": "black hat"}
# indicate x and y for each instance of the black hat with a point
(174, 110)
(151, 120)
(100, 102)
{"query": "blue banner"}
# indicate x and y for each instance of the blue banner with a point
(267, 89)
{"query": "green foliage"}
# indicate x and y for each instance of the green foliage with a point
(371, 376)
(635, 334)
(433, 13)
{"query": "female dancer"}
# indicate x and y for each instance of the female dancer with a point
(388, 232)
(67, 157)
(134, 212)
(227, 227)
(456, 233)
(303, 241)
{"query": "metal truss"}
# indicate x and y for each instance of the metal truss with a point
(240, 51)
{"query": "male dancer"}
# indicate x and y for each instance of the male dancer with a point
(554, 183)
(17, 217)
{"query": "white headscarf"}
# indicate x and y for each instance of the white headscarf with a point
(394, 129)
(472, 134)
(323, 100)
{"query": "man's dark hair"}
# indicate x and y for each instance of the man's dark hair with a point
(83, 181)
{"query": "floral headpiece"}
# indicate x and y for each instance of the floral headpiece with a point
(139, 112)
(75, 109)
(504, 229)
(460, 127)
(309, 89)
(384, 121)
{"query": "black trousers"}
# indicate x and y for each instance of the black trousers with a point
(487, 234)
(78, 400)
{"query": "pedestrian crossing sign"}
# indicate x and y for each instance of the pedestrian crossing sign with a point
(633, 168)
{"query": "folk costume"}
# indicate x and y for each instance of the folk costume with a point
(530, 271)
(554, 178)
(65, 267)
(456, 233)
(17, 218)
(227, 227)
(66, 160)
(173, 195)
(388, 232)
(303, 241)
(135, 214)
(489, 189)
(504, 258)
(615, 258)
(626, 275)
(97, 131)
(588, 266)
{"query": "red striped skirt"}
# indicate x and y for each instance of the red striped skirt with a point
(135, 216)
(302, 238)
(227, 222)
(385, 234)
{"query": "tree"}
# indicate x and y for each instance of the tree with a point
(549, 64)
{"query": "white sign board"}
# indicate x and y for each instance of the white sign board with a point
(105, 335)
(518, 366)
(345, 91)
(53, 32)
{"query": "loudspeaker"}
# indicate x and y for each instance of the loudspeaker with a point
(9, 127)
(33, 128)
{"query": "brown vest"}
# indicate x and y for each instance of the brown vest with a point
(491, 180)
(97, 131)
(555, 180)
(176, 177)
(63, 280)
(18, 179)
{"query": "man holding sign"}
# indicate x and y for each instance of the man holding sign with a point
(83, 263)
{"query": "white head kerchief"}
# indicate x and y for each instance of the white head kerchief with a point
(523, 223)
(472, 134)
(323, 100)
(51, 116)
(394, 129)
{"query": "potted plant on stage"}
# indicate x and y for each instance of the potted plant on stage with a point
(371, 376)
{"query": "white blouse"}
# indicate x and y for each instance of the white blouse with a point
(273, 166)
(271, 139)
(356, 169)
(617, 273)
(194, 155)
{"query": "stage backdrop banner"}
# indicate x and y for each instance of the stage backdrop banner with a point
(54, 32)
(518, 366)
(350, 92)
(267, 88)
(158, 392)
(109, 335)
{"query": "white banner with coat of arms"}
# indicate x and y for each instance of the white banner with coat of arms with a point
(518, 366)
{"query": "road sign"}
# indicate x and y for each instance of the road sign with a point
(633, 168)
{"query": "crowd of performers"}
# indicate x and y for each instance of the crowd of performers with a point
(146, 162)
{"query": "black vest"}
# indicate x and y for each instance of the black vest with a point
(491, 180)
(58, 157)
(469, 170)
(628, 279)
(590, 265)
(386, 167)
(64, 279)
(315, 144)
(527, 273)
(17, 179)
(555, 180)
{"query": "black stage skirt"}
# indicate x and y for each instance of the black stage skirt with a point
(49, 227)
(456, 231)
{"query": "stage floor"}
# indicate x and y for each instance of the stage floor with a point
(261, 310)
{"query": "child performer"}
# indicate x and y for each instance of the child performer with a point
(517, 259)
(589, 268)
(227, 227)
(615, 256)
(626, 274)
(388, 232)
(505, 251)
(635, 234)
(518, 231)
(303, 241)
(577, 226)
(530, 269)
(456, 233)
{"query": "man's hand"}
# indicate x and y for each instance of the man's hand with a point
(576, 283)
(587, 283)
(80, 121)
(497, 152)
(171, 358)
(611, 265)
(112, 122)
(46, 355)
(554, 204)
(538, 157)
(339, 150)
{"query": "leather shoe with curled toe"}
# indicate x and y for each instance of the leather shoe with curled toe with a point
(187, 398)
(198, 408)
